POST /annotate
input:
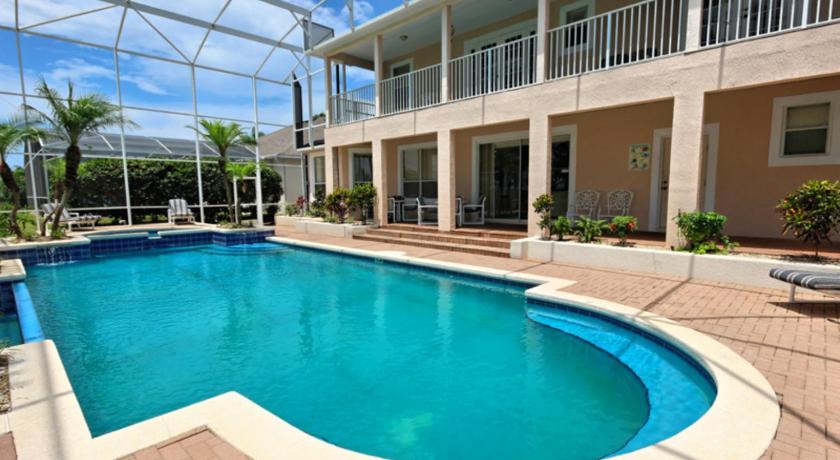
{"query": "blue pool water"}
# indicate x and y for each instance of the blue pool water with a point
(375, 357)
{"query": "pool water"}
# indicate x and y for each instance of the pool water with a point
(380, 358)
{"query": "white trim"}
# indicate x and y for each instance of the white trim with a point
(400, 151)
(352, 152)
(777, 131)
(489, 139)
(712, 133)
(409, 61)
(311, 173)
(571, 131)
(499, 35)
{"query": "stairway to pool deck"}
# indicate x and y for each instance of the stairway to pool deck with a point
(477, 240)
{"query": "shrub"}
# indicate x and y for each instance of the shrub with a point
(338, 204)
(812, 212)
(363, 197)
(621, 226)
(317, 208)
(292, 209)
(703, 232)
(588, 230)
(561, 227)
(542, 206)
(26, 222)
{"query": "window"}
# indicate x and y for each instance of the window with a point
(806, 130)
(572, 13)
(419, 173)
(319, 182)
(362, 172)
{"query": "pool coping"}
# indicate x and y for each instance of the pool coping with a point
(48, 422)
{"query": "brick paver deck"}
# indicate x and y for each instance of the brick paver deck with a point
(796, 346)
(198, 444)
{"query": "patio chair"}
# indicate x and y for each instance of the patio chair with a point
(392, 210)
(826, 283)
(586, 204)
(473, 208)
(179, 211)
(618, 204)
(71, 218)
(425, 205)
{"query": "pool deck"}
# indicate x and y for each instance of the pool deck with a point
(795, 346)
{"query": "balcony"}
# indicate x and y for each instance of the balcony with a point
(627, 35)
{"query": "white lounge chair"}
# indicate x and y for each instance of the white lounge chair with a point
(179, 211)
(586, 204)
(618, 204)
(473, 208)
(826, 283)
(71, 218)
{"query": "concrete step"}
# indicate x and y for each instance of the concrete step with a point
(424, 243)
(477, 232)
(454, 238)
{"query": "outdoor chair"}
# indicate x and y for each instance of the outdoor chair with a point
(71, 218)
(586, 204)
(473, 208)
(179, 211)
(826, 283)
(618, 204)
(425, 205)
(392, 209)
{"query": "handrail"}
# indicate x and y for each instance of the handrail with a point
(354, 105)
(414, 90)
(500, 68)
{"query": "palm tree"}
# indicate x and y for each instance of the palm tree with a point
(70, 119)
(224, 136)
(238, 172)
(13, 133)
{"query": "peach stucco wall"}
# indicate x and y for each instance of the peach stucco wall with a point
(603, 143)
(747, 189)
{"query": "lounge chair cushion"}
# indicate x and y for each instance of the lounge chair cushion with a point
(809, 280)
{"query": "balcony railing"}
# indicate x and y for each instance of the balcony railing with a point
(414, 90)
(356, 105)
(627, 35)
(500, 68)
(730, 20)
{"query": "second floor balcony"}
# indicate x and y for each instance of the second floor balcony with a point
(503, 45)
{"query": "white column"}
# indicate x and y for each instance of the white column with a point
(694, 25)
(446, 180)
(330, 168)
(539, 166)
(327, 91)
(543, 7)
(380, 181)
(686, 159)
(258, 185)
(377, 71)
(445, 51)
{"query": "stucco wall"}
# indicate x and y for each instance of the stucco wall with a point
(603, 142)
(747, 189)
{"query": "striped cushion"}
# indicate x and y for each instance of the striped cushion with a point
(179, 207)
(809, 280)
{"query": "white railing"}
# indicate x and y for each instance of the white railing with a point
(626, 35)
(500, 68)
(356, 105)
(414, 90)
(730, 20)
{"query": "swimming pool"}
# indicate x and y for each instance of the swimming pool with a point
(376, 357)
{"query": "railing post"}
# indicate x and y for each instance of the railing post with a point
(609, 42)
(805, 11)
(377, 71)
(327, 90)
(445, 51)
(542, 36)
(693, 25)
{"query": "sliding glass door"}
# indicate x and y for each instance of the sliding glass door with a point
(503, 179)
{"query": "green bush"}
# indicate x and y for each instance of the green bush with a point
(588, 230)
(703, 232)
(561, 227)
(26, 221)
(338, 204)
(362, 197)
(292, 209)
(812, 212)
(317, 208)
(542, 206)
(622, 226)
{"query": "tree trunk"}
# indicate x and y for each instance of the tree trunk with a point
(228, 187)
(10, 183)
(72, 160)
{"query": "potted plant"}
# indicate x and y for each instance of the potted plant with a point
(589, 230)
(362, 197)
(561, 227)
(338, 204)
(542, 206)
(622, 226)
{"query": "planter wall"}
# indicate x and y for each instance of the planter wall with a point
(743, 270)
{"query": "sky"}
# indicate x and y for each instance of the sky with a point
(156, 84)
